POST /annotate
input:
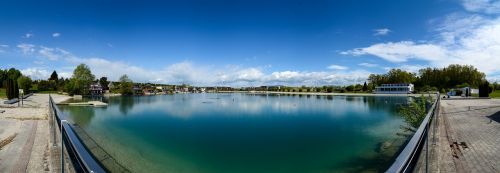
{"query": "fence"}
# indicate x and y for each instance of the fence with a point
(408, 157)
(82, 160)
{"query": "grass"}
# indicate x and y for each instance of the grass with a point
(2, 93)
(495, 94)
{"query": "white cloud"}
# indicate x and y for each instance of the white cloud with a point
(195, 74)
(401, 51)
(28, 35)
(3, 47)
(337, 67)
(56, 34)
(26, 49)
(36, 73)
(483, 6)
(381, 31)
(54, 53)
(472, 40)
(365, 64)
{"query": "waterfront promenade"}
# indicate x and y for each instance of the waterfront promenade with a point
(26, 143)
(465, 137)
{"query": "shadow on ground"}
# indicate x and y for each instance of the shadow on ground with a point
(495, 117)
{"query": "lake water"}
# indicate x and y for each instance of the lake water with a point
(227, 133)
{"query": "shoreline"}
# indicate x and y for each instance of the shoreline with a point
(324, 94)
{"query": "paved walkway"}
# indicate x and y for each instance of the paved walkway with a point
(25, 137)
(465, 137)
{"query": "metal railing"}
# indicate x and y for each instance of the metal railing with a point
(407, 159)
(82, 159)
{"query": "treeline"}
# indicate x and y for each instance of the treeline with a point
(434, 79)
(12, 80)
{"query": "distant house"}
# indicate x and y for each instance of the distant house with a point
(402, 88)
(96, 89)
(137, 90)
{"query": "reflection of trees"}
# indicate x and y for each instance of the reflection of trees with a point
(126, 103)
(80, 115)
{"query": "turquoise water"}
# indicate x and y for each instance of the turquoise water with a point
(219, 133)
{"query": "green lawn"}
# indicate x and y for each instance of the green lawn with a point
(2, 93)
(495, 94)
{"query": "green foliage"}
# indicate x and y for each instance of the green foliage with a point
(47, 85)
(365, 87)
(414, 113)
(126, 85)
(13, 74)
(54, 76)
(393, 76)
(485, 89)
(12, 91)
(24, 83)
(349, 88)
(80, 81)
(104, 82)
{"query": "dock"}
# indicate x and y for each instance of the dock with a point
(89, 103)
(465, 137)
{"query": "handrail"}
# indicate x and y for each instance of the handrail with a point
(408, 157)
(81, 156)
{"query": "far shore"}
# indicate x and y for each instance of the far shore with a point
(326, 94)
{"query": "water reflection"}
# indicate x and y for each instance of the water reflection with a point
(273, 132)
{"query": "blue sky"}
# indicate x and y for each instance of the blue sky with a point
(248, 43)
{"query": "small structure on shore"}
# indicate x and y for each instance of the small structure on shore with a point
(96, 89)
(402, 88)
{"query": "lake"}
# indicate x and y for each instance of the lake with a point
(254, 133)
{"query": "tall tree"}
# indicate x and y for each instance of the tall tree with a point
(12, 90)
(365, 87)
(80, 81)
(54, 76)
(104, 82)
(126, 85)
(13, 74)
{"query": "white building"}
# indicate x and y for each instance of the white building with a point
(394, 89)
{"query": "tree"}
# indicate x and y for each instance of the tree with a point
(350, 88)
(3, 77)
(414, 113)
(365, 87)
(54, 76)
(104, 83)
(24, 83)
(13, 74)
(12, 91)
(80, 81)
(126, 85)
(485, 89)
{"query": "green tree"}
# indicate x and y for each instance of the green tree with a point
(350, 88)
(365, 87)
(12, 91)
(104, 82)
(126, 85)
(414, 113)
(54, 76)
(3, 77)
(80, 81)
(13, 74)
(24, 83)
